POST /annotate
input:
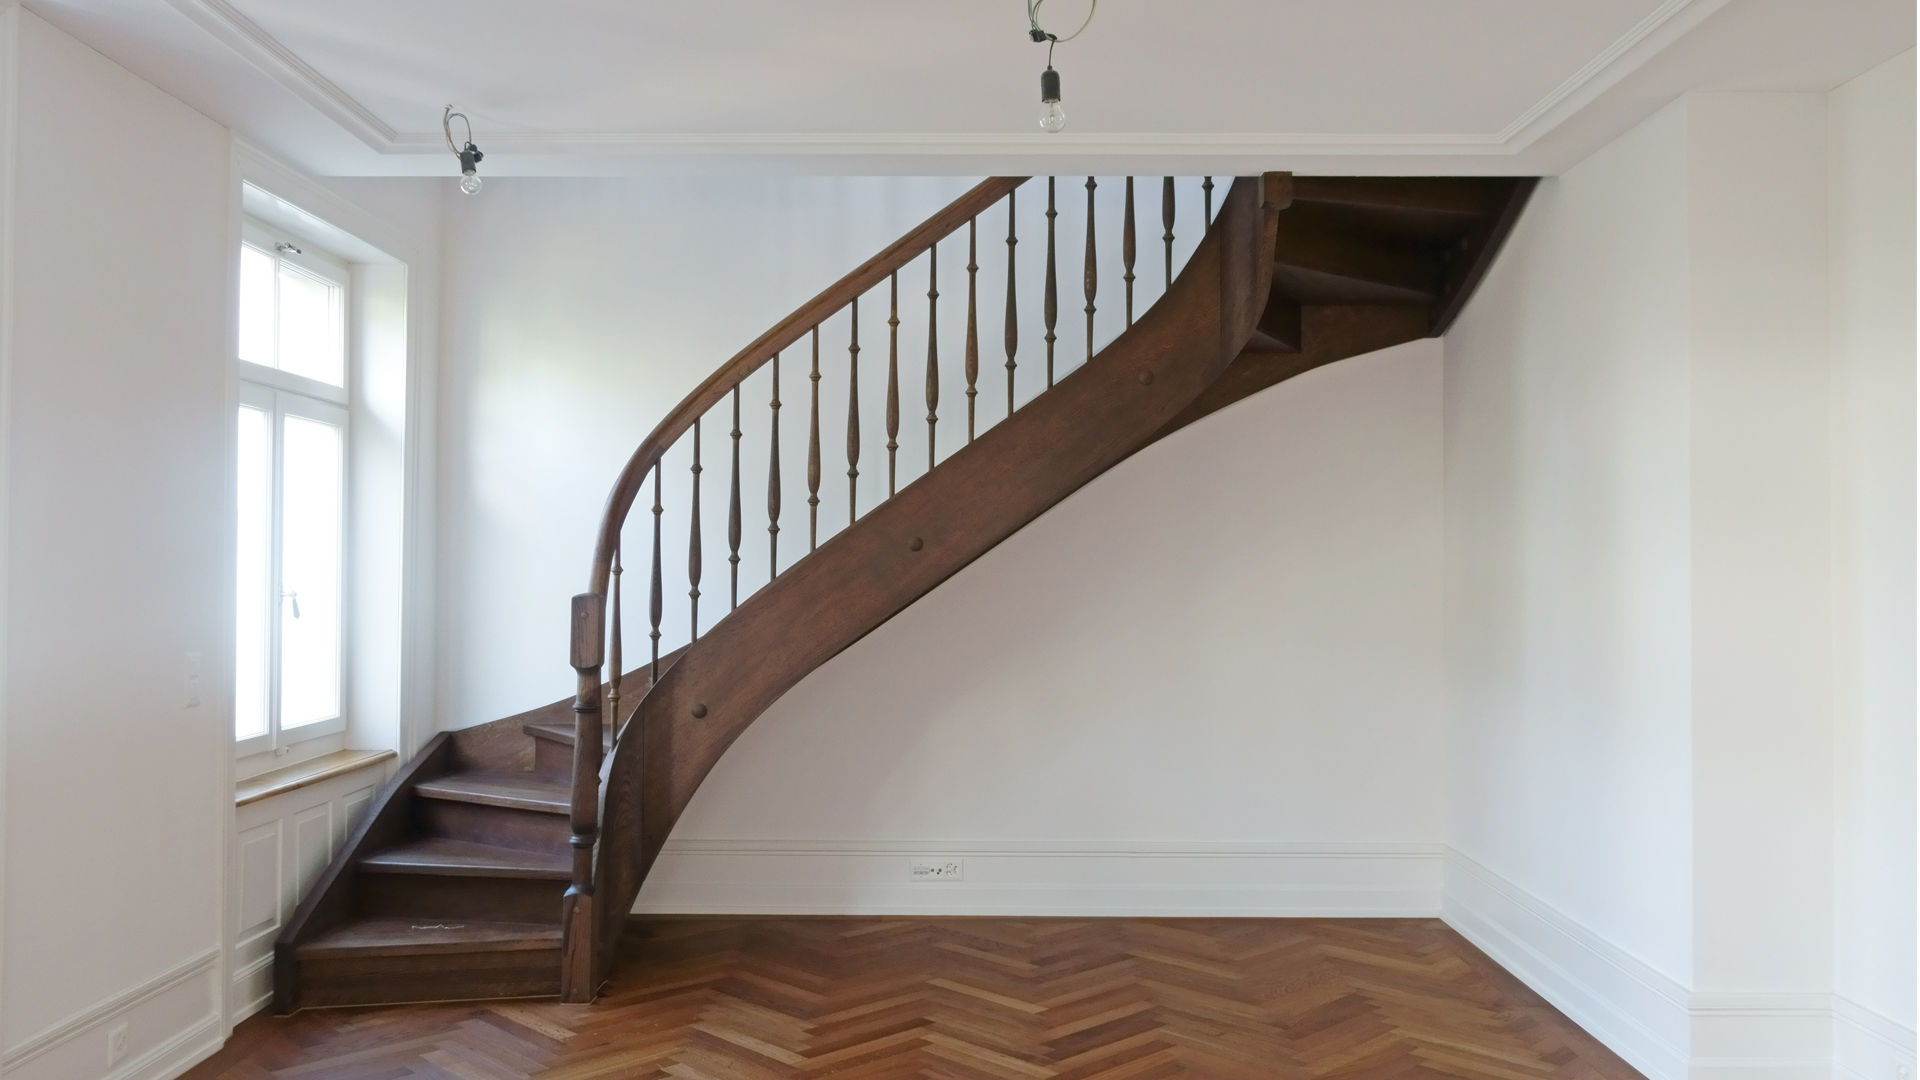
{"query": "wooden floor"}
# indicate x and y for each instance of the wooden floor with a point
(976, 999)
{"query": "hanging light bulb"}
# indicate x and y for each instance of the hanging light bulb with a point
(469, 154)
(1052, 116)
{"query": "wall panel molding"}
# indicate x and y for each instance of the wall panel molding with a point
(172, 1020)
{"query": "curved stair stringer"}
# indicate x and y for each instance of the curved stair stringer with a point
(903, 548)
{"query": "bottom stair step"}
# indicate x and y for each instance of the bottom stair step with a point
(428, 937)
(387, 961)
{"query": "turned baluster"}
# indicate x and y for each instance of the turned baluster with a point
(1013, 317)
(693, 542)
(1050, 309)
(583, 818)
(656, 602)
(1166, 220)
(893, 376)
(933, 347)
(973, 326)
(613, 643)
(853, 413)
(1093, 273)
(813, 452)
(1126, 249)
(733, 508)
(1206, 193)
(773, 479)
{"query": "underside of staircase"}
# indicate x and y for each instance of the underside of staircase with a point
(501, 861)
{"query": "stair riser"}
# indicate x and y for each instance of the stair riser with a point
(392, 980)
(441, 899)
(552, 757)
(525, 829)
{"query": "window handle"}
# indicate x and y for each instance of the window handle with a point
(292, 595)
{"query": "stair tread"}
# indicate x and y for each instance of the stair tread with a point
(562, 733)
(466, 858)
(417, 936)
(519, 791)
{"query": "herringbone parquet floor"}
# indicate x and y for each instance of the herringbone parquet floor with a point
(976, 999)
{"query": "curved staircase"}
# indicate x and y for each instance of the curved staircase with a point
(503, 859)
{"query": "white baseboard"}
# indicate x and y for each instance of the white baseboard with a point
(1649, 1018)
(715, 877)
(1639, 1012)
(172, 1021)
(1870, 1046)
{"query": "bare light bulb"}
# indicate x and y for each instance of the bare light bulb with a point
(1052, 116)
(470, 184)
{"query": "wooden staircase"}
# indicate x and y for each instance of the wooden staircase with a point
(502, 860)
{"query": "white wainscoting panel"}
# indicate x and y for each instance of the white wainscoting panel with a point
(712, 877)
(281, 844)
(172, 1021)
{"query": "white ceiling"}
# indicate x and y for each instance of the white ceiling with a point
(568, 87)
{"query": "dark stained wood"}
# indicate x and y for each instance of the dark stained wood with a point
(813, 450)
(853, 416)
(773, 477)
(972, 359)
(1320, 263)
(523, 791)
(762, 998)
(328, 902)
(657, 589)
(1206, 194)
(1166, 222)
(1013, 305)
(1050, 306)
(933, 349)
(693, 543)
(1092, 275)
(733, 516)
(893, 380)
(1420, 195)
(1469, 260)
(1126, 249)
(466, 858)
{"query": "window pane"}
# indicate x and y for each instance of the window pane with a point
(310, 524)
(252, 624)
(310, 326)
(256, 306)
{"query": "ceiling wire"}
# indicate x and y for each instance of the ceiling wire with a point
(1033, 20)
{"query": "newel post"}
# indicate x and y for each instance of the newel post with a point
(577, 982)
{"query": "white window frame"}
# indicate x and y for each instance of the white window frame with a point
(281, 394)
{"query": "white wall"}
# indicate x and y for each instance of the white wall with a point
(1566, 416)
(119, 547)
(1648, 489)
(1871, 220)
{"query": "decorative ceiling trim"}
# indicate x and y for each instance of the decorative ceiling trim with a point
(1646, 38)
(282, 65)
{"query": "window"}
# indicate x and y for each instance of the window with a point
(291, 495)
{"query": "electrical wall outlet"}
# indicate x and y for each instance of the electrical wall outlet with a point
(116, 1044)
(936, 869)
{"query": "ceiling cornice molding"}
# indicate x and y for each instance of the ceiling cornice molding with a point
(1646, 38)
(282, 65)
